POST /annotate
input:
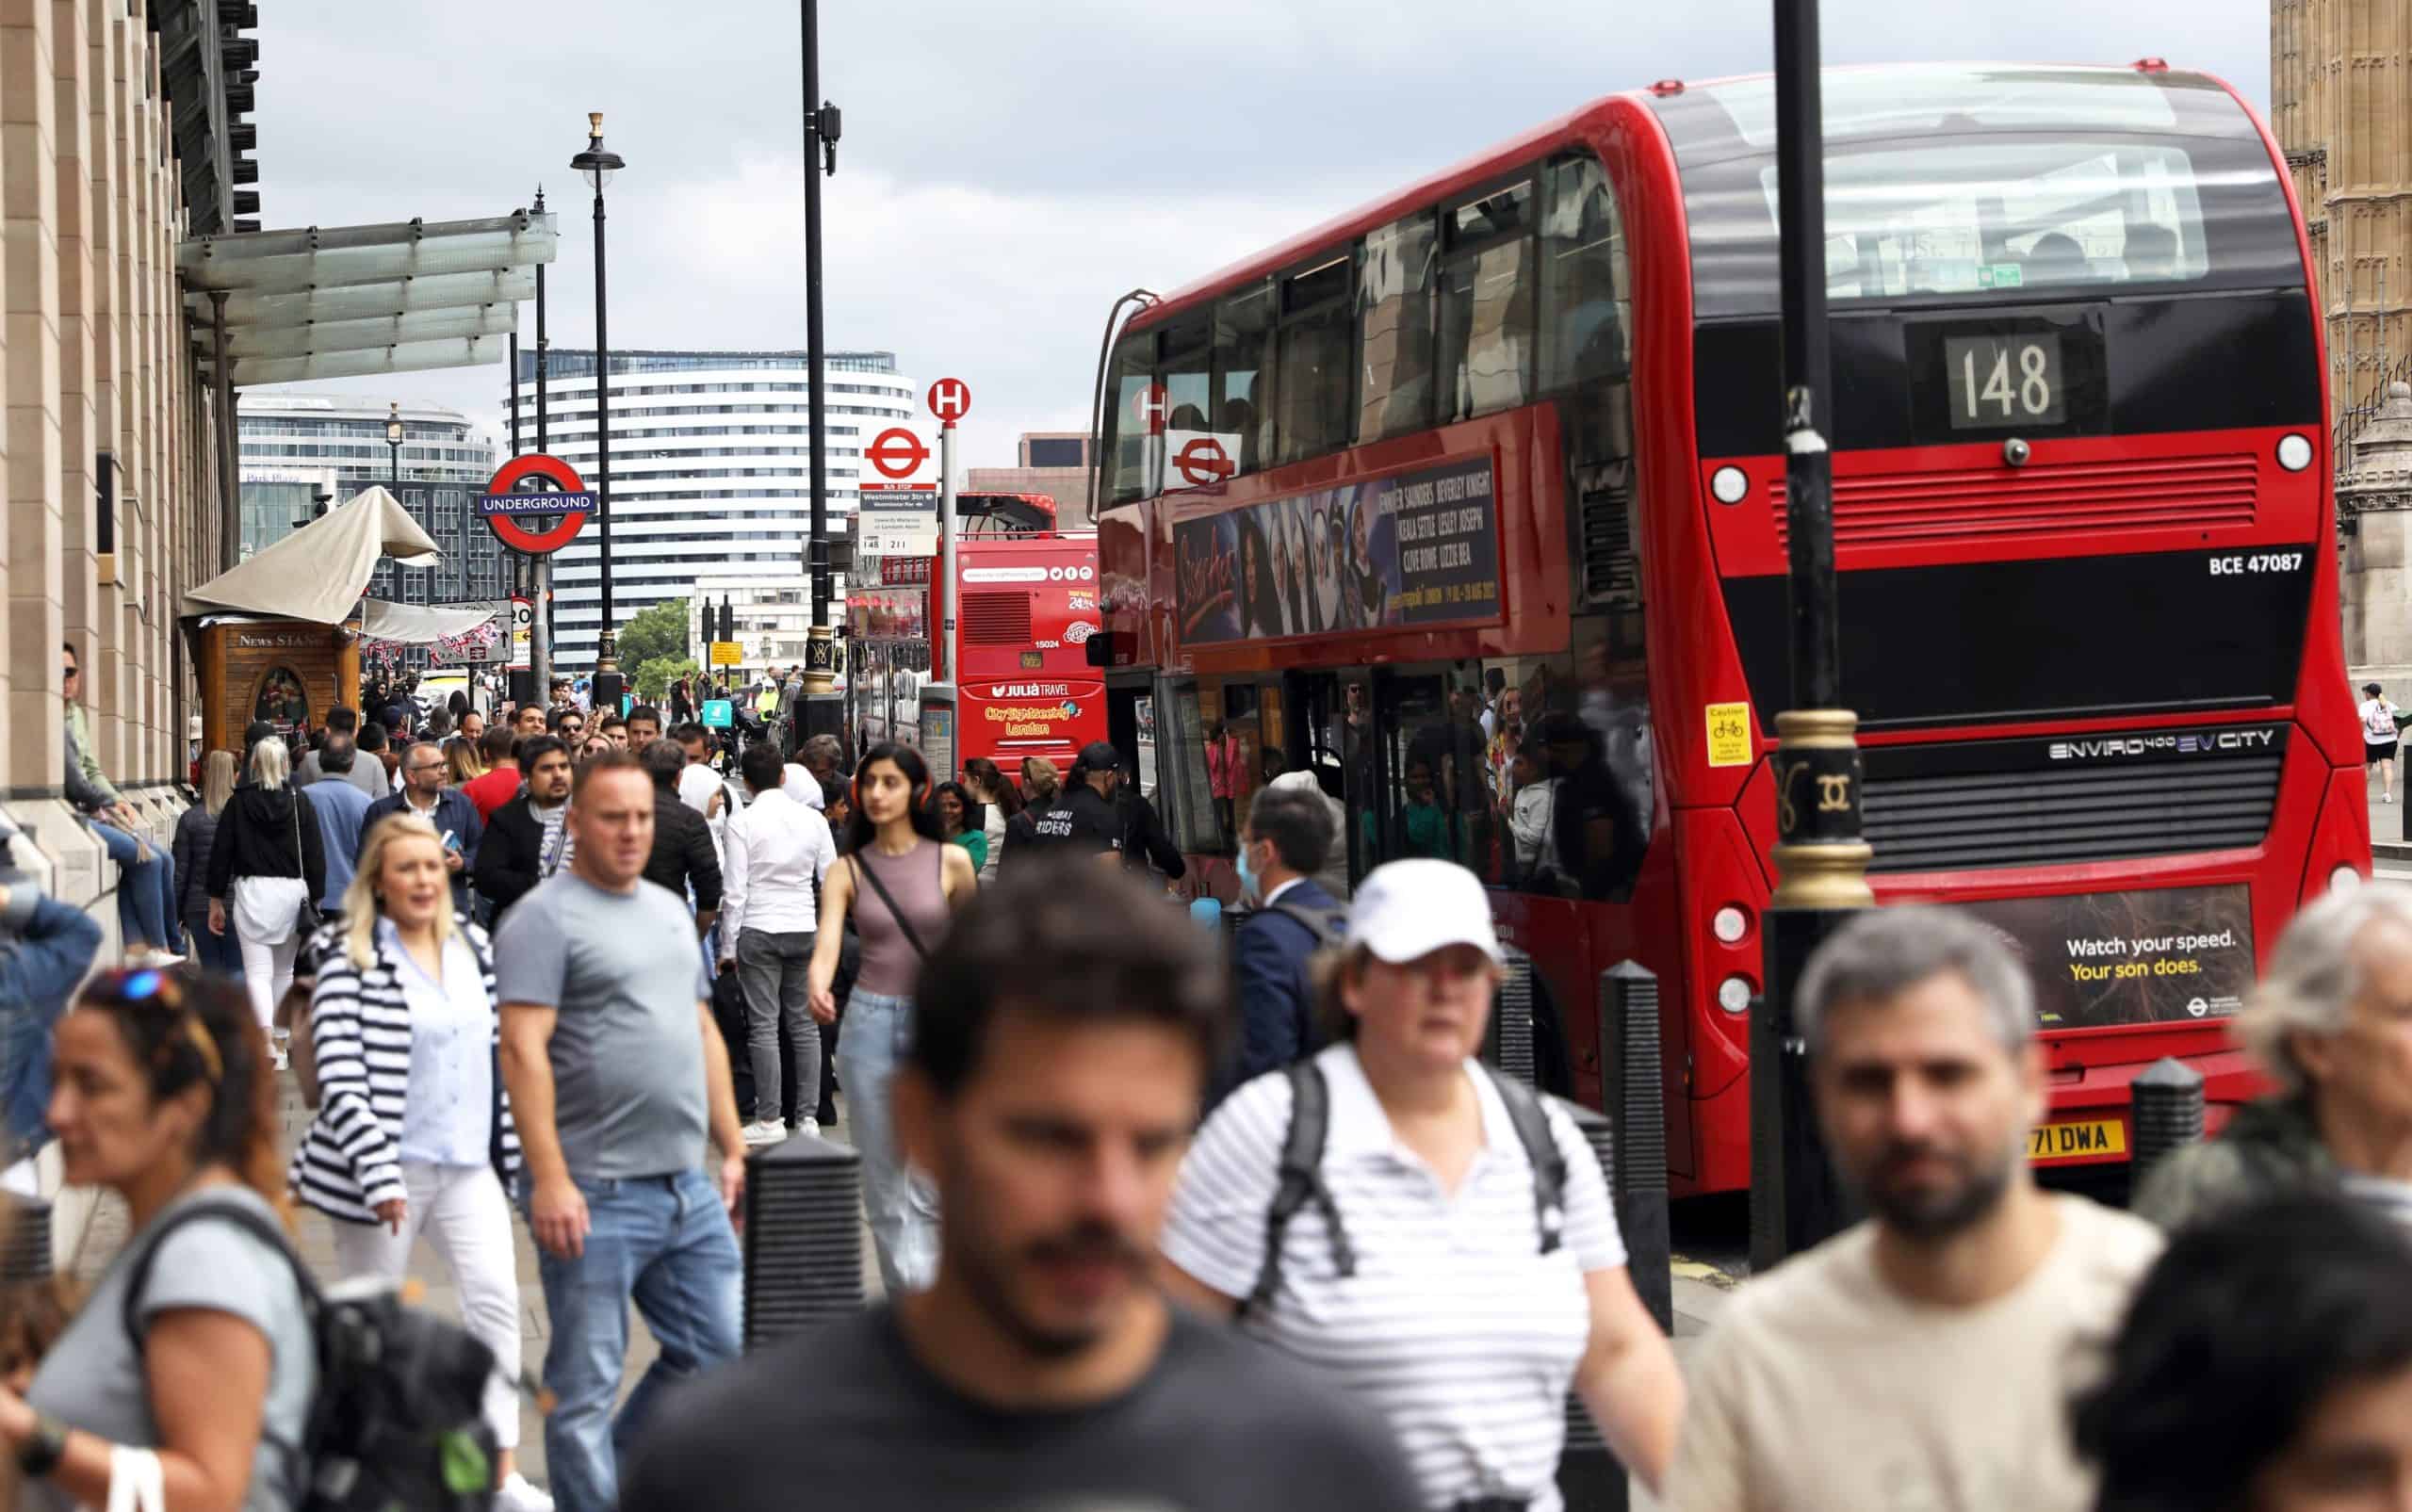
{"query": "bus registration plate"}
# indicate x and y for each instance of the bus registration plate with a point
(2079, 1140)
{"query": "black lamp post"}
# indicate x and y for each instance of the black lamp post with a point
(597, 166)
(394, 444)
(822, 125)
(1821, 852)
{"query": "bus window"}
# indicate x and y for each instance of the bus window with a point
(1132, 446)
(1394, 317)
(1586, 322)
(1318, 360)
(1433, 801)
(1243, 327)
(1182, 372)
(1486, 342)
(1572, 766)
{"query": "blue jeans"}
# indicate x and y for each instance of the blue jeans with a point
(904, 1211)
(146, 894)
(222, 953)
(664, 1242)
(36, 972)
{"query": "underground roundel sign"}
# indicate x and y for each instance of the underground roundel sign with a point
(536, 503)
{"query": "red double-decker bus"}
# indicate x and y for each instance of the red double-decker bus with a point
(1471, 503)
(1027, 604)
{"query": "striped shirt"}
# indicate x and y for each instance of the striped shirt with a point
(350, 1159)
(1455, 1328)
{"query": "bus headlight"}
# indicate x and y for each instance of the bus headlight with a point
(2344, 878)
(1733, 995)
(2295, 452)
(1730, 924)
(1729, 484)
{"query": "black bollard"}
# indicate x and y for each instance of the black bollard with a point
(803, 1237)
(2167, 1110)
(24, 1238)
(1633, 1087)
(1590, 1479)
(1509, 1043)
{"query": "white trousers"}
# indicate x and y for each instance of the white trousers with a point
(267, 971)
(463, 1212)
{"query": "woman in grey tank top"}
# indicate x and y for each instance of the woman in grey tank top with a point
(900, 883)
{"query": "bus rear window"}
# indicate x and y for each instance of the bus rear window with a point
(2012, 184)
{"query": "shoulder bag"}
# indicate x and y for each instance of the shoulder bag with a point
(868, 874)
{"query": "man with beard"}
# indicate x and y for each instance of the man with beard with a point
(1925, 1358)
(1067, 1023)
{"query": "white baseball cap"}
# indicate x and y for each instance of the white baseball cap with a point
(1406, 910)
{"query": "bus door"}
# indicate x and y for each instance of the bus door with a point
(1427, 776)
(1327, 717)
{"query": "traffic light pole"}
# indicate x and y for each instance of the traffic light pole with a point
(1821, 855)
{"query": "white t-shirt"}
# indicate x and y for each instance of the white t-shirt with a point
(1822, 1390)
(1456, 1327)
(2378, 721)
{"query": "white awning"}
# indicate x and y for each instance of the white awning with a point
(422, 624)
(319, 571)
(352, 301)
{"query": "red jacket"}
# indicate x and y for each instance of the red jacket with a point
(1223, 772)
(492, 790)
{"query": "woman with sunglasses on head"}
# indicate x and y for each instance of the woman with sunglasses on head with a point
(900, 882)
(1449, 1253)
(414, 1133)
(162, 1093)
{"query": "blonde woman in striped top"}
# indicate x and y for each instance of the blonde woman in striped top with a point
(414, 1133)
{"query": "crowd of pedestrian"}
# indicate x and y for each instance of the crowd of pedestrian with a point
(1155, 1223)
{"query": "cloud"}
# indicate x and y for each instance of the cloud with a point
(1005, 170)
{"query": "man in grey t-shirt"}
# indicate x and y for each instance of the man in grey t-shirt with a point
(617, 1073)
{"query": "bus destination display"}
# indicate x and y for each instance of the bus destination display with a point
(1411, 549)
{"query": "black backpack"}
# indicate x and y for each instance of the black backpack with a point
(1301, 1174)
(395, 1425)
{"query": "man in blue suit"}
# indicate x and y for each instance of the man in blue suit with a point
(1288, 840)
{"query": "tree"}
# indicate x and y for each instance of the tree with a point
(655, 676)
(658, 631)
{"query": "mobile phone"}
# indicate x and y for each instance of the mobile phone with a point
(451, 841)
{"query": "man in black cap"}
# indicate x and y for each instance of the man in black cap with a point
(1083, 821)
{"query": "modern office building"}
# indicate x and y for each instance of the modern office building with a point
(1053, 462)
(710, 469)
(298, 448)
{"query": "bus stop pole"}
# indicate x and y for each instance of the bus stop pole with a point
(946, 547)
(1820, 856)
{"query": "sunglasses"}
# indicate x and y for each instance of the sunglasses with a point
(144, 986)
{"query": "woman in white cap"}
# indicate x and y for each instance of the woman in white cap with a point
(1446, 1247)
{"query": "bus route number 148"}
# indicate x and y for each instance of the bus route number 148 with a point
(2004, 380)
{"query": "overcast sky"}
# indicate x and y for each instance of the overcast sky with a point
(1006, 169)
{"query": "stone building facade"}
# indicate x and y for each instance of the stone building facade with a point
(116, 119)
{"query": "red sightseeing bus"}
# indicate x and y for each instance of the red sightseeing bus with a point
(1471, 503)
(1027, 606)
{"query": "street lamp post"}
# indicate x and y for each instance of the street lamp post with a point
(394, 444)
(597, 166)
(1820, 853)
(821, 131)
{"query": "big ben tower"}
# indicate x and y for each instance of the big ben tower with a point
(2341, 100)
